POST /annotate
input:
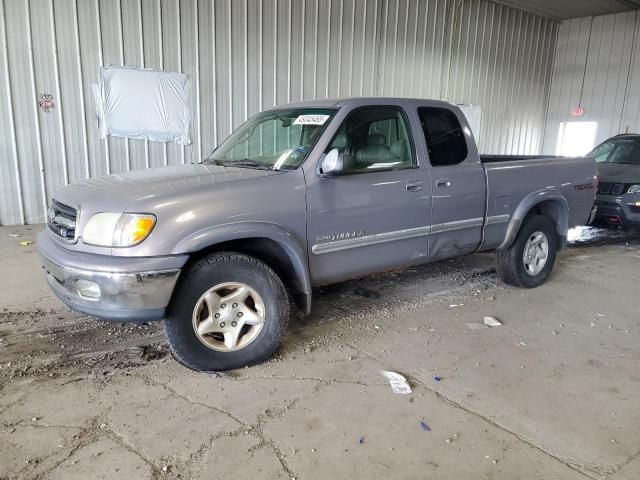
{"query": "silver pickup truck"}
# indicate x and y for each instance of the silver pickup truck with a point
(300, 196)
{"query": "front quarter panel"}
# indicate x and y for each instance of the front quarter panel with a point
(186, 221)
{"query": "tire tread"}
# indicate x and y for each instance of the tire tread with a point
(180, 348)
(509, 261)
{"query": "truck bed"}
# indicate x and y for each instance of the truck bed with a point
(511, 179)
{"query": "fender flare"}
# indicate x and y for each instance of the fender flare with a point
(551, 197)
(208, 237)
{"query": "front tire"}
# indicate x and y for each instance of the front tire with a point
(528, 262)
(230, 311)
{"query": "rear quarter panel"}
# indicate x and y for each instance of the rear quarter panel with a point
(514, 187)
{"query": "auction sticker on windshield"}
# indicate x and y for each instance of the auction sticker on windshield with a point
(311, 120)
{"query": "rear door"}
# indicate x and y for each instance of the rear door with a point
(374, 216)
(458, 183)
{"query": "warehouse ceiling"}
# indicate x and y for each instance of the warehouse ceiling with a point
(565, 9)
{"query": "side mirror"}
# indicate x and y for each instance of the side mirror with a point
(332, 163)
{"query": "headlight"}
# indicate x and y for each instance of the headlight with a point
(634, 189)
(117, 229)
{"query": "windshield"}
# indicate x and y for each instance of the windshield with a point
(618, 150)
(273, 140)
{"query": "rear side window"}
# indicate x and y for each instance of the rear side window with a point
(444, 136)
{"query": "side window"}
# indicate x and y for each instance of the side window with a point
(388, 128)
(602, 152)
(621, 154)
(375, 138)
(444, 136)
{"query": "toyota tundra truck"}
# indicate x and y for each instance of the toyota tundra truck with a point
(299, 196)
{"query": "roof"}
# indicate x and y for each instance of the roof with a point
(355, 101)
(627, 135)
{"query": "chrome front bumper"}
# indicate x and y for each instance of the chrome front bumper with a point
(133, 296)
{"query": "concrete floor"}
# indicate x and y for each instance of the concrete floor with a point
(551, 394)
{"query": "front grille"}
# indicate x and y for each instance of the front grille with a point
(617, 188)
(605, 188)
(608, 188)
(61, 220)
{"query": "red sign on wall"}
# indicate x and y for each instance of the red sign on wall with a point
(577, 111)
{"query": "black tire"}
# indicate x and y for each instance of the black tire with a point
(212, 270)
(509, 262)
(633, 230)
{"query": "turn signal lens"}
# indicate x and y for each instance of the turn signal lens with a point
(118, 229)
(132, 229)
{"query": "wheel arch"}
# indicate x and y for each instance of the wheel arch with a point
(268, 242)
(548, 203)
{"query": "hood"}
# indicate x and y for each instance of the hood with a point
(114, 193)
(618, 173)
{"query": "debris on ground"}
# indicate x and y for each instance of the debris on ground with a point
(26, 243)
(361, 441)
(476, 326)
(424, 426)
(398, 383)
(455, 305)
(492, 322)
(366, 293)
(437, 378)
(15, 235)
(451, 439)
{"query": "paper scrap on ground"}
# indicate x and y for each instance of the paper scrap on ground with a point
(492, 321)
(398, 383)
(26, 243)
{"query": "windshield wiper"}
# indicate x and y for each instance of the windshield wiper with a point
(244, 163)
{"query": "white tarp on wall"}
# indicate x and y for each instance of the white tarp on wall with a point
(143, 104)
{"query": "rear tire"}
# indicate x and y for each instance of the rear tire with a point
(257, 305)
(528, 262)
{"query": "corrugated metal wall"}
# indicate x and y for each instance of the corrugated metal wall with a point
(244, 56)
(597, 66)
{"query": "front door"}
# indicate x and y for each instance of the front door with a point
(374, 216)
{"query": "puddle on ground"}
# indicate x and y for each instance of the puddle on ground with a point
(593, 236)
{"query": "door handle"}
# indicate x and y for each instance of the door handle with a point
(443, 183)
(414, 186)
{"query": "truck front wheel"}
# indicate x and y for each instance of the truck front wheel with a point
(528, 262)
(230, 311)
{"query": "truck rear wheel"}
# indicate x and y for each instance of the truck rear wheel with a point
(230, 311)
(528, 262)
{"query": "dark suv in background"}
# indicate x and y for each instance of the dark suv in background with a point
(618, 197)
